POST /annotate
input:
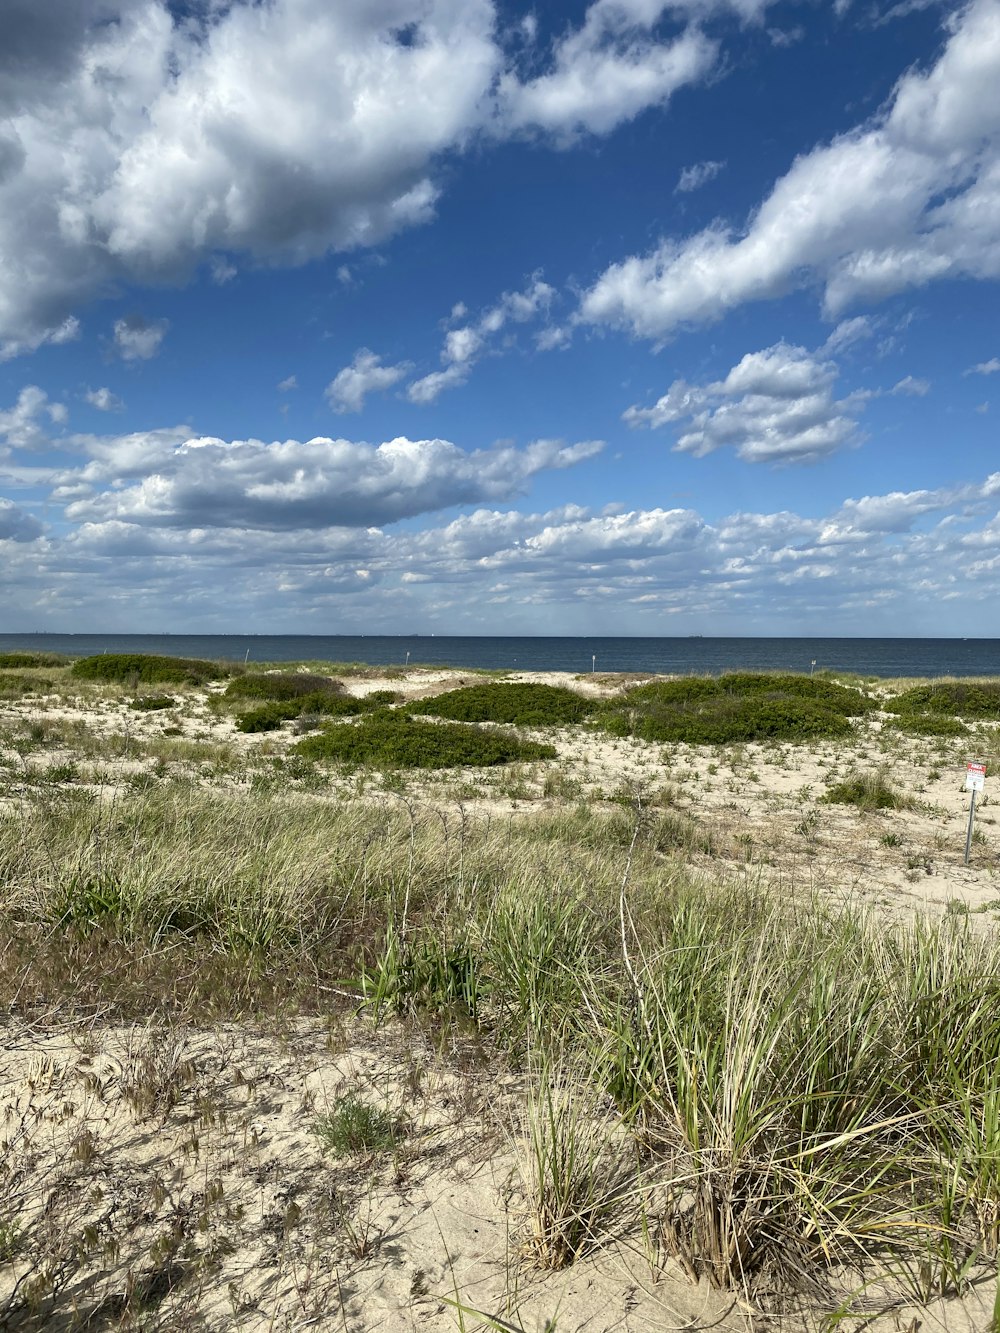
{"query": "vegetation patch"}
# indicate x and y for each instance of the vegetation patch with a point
(511, 702)
(965, 699)
(147, 668)
(15, 684)
(929, 724)
(152, 703)
(281, 685)
(868, 791)
(25, 661)
(355, 1126)
(270, 716)
(742, 706)
(390, 740)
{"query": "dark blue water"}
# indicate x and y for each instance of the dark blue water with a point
(874, 657)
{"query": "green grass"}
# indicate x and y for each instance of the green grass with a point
(25, 661)
(147, 668)
(868, 791)
(739, 707)
(511, 702)
(391, 740)
(355, 1126)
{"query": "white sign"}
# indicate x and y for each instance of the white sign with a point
(975, 777)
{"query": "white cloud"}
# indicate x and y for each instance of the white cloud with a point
(465, 345)
(694, 177)
(222, 271)
(286, 385)
(915, 388)
(131, 150)
(104, 400)
(67, 331)
(21, 426)
(775, 406)
(605, 73)
(210, 483)
(366, 374)
(990, 367)
(137, 338)
(911, 197)
(847, 332)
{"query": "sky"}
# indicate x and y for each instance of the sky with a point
(596, 317)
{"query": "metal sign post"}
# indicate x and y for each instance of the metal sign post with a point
(975, 781)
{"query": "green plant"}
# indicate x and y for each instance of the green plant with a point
(152, 703)
(393, 740)
(954, 699)
(147, 668)
(868, 791)
(525, 704)
(281, 685)
(577, 1171)
(355, 1126)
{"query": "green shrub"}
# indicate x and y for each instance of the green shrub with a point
(740, 706)
(148, 668)
(281, 685)
(868, 791)
(968, 699)
(269, 717)
(24, 661)
(929, 724)
(354, 1126)
(526, 704)
(393, 740)
(152, 703)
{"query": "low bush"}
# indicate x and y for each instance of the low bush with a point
(512, 702)
(270, 716)
(741, 706)
(393, 740)
(968, 699)
(125, 668)
(929, 724)
(152, 703)
(25, 661)
(868, 791)
(355, 1126)
(281, 685)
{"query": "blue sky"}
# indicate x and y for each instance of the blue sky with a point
(468, 316)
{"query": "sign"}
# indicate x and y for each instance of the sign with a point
(975, 777)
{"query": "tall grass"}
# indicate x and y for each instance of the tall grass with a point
(800, 1091)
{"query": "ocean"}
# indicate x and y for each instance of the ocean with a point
(869, 657)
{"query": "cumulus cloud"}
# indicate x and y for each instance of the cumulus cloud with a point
(130, 150)
(366, 374)
(104, 400)
(694, 177)
(605, 72)
(16, 525)
(463, 346)
(911, 197)
(775, 406)
(212, 483)
(137, 338)
(22, 426)
(990, 367)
